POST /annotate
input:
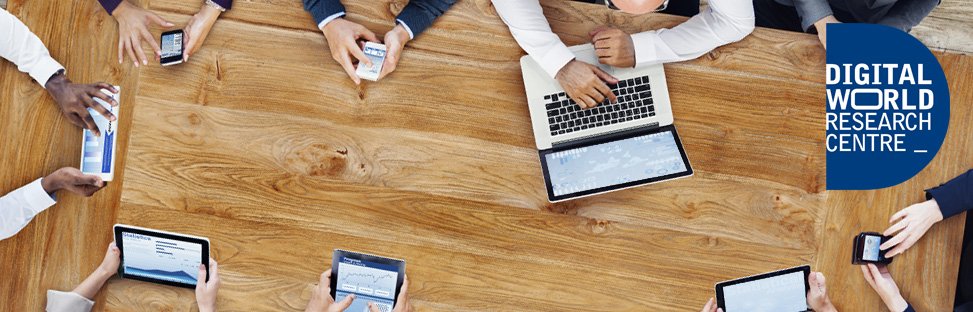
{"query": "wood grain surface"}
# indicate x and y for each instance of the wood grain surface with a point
(263, 144)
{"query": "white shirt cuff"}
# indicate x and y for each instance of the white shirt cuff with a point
(407, 29)
(44, 70)
(36, 198)
(555, 59)
(329, 19)
(61, 301)
(644, 44)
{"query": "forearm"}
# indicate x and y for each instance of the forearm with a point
(19, 207)
(812, 11)
(93, 283)
(533, 33)
(418, 15)
(322, 10)
(955, 196)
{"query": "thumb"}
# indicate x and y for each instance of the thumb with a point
(345, 303)
(201, 278)
(603, 75)
(372, 307)
(158, 20)
(90, 180)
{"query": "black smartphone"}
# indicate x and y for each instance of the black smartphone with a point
(172, 47)
(867, 249)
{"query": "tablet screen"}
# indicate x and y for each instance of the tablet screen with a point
(781, 293)
(612, 163)
(161, 258)
(369, 281)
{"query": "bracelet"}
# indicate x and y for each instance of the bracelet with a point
(215, 5)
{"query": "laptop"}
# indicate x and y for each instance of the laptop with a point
(610, 147)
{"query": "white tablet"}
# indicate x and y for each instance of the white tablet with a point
(161, 257)
(98, 152)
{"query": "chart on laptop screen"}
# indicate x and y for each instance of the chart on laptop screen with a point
(612, 163)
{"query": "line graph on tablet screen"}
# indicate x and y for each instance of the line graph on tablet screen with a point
(367, 281)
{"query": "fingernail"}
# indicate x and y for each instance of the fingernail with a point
(145, 62)
(113, 118)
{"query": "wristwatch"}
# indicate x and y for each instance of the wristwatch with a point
(215, 5)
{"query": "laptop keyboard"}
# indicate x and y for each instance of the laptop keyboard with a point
(634, 102)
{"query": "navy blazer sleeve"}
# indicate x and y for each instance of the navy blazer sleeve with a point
(322, 9)
(111, 5)
(909, 309)
(955, 196)
(420, 14)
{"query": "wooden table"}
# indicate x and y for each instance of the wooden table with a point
(264, 145)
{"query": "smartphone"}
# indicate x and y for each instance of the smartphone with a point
(172, 47)
(866, 249)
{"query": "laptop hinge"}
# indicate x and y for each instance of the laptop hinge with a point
(605, 136)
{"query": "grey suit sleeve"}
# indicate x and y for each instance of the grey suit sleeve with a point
(907, 14)
(811, 11)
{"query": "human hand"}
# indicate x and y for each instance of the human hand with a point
(73, 180)
(75, 99)
(109, 265)
(711, 306)
(321, 300)
(394, 44)
(585, 83)
(198, 28)
(133, 27)
(206, 290)
(817, 296)
(913, 223)
(881, 281)
(822, 27)
(343, 37)
(402, 303)
(613, 47)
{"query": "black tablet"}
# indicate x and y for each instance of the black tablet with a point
(371, 278)
(778, 291)
(161, 257)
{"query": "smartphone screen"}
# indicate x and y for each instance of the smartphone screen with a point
(870, 250)
(172, 48)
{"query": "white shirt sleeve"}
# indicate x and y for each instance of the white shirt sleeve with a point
(24, 49)
(531, 30)
(61, 301)
(723, 22)
(20, 206)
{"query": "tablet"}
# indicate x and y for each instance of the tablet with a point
(371, 278)
(779, 291)
(161, 257)
(98, 152)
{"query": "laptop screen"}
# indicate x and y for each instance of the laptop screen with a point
(639, 159)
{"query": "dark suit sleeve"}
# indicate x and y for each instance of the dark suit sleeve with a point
(322, 9)
(110, 5)
(955, 196)
(907, 14)
(226, 4)
(420, 14)
(909, 309)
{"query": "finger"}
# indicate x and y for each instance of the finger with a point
(602, 35)
(92, 180)
(349, 69)
(606, 92)
(709, 305)
(95, 105)
(389, 65)
(372, 307)
(214, 270)
(905, 245)
(596, 95)
(868, 275)
(345, 303)
(588, 101)
(95, 91)
(597, 30)
(896, 227)
(358, 54)
(873, 270)
(121, 49)
(604, 76)
(90, 124)
(899, 215)
(577, 100)
(148, 38)
(894, 241)
(201, 278)
(103, 85)
(130, 48)
(325, 278)
(138, 50)
(158, 20)
(367, 34)
(76, 120)
(604, 52)
(404, 291)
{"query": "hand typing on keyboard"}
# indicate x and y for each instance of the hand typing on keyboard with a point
(586, 84)
(633, 101)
